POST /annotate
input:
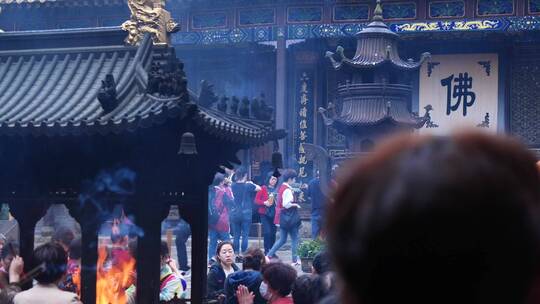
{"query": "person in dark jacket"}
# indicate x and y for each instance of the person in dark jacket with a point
(318, 202)
(220, 270)
(241, 213)
(250, 277)
(182, 233)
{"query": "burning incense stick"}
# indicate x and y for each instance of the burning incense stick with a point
(27, 277)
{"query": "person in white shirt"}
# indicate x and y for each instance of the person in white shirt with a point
(287, 216)
(53, 260)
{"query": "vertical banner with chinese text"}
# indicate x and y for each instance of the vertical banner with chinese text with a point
(303, 132)
(463, 91)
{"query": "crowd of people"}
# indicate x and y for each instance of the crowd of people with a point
(55, 271)
(423, 219)
(233, 203)
(262, 280)
(451, 219)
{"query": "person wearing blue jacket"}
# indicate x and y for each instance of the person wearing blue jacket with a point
(250, 277)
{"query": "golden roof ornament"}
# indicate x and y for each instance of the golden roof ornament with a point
(149, 16)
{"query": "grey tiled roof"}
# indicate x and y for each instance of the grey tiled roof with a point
(54, 91)
(64, 2)
(236, 128)
(376, 45)
(24, 1)
(369, 112)
(378, 50)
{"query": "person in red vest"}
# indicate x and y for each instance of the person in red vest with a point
(287, 217)
(220, 198)
(266, 199)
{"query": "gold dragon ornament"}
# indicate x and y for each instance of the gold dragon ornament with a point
(149, 16)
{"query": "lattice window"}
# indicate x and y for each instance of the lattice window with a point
(525, 96)
(334, 138)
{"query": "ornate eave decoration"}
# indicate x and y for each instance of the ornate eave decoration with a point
(149, 16)
(376, 45)
(370, 105)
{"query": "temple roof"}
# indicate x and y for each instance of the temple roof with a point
(105, 2)
(376, 45)
(24, 1)
(58, 91)
(235, 128)
(64, 2)
(375, 111)
(55, 90)
(371, 104)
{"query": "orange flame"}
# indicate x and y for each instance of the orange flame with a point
(112, 283)
(76, 277)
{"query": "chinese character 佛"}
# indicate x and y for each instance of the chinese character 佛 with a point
(462, 90)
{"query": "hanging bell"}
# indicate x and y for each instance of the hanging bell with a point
(277, 163)
(187, 144)
(277, 160)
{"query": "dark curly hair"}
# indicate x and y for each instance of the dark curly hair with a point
(253, 259)
(321, 262)
(308, 289)
(280, 277)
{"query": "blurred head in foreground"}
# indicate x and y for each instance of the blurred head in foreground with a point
(438, 220)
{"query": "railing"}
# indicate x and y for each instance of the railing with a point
(373, 88)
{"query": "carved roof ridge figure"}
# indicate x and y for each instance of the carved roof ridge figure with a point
(65, 88)
(376, 45)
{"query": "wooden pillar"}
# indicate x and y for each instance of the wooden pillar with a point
(27, 214)
(198, 216)
(89, 257)
(281, 87)
(86, 214)
(149, 213)
(422, 10)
